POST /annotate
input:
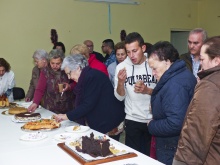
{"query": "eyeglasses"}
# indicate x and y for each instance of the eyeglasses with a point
(69, 73)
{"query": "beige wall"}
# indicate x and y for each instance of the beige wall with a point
(26, 24)
(209, 16)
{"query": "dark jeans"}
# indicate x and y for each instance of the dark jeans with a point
(137, 136)
(165, 155)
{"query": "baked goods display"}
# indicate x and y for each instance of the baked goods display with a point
(17, 110)
(4, 101)
(41, 125)
(94, 147)
(27, 116)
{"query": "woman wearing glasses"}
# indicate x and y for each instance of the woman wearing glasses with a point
(95, 100)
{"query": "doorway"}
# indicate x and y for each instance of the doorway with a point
(179, 40)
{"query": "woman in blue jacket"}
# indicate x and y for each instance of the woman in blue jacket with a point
(170, 98)
(95, 100)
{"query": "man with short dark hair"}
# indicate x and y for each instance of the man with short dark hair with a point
(108, 49)
(192, 58)
(134, 83)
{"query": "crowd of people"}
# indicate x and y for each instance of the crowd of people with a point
(167, 104)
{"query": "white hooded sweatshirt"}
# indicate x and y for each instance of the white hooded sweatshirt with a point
(137, 105)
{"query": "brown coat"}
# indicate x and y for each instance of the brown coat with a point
(199, 141)
(33, 82)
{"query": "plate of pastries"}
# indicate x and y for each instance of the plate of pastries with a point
(43, 125)
(4, 103)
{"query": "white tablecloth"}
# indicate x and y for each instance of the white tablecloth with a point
(15, 151)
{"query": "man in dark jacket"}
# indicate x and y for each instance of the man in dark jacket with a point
(195, 41)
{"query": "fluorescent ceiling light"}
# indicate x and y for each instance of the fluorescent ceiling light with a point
(131, 2)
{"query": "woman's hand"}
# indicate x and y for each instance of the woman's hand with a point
(32, 107)
(27, 99)
(60, 117)
(66, 87)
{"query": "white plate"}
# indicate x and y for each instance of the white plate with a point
(117, 147)
(25, 104)
(33, 136)
(62, 137)
(21, 121)
(5, 112)
(82, 129)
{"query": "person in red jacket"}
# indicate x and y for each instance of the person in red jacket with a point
(93, 62)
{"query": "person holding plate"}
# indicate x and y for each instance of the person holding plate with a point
(95, 100)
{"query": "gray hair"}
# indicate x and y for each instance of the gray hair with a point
(56, 53)
(40, 54)
(199, 30)
(73, 62)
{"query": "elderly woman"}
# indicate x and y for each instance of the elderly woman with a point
(170, 98)
(47, 88)
(40, 58)
(199, 141)
(121, 55)
(95, 100)
(7, 81)
(93, 62)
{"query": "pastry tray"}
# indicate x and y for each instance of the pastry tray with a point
(42, 130)
(94, 162)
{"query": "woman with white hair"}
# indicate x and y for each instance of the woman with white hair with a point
(95, 100)
(40, 57)
(47, 91)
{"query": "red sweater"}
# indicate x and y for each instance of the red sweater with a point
(96, 64)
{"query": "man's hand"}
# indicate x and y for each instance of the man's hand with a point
(122, 75)
(140, 87)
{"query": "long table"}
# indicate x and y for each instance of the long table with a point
(15, 151)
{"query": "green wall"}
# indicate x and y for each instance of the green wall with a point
(26, 24)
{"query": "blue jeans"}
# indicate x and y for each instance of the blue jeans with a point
(165, 153)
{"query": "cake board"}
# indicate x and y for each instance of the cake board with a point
(84, 162)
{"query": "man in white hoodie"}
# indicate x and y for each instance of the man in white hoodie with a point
(134, 84)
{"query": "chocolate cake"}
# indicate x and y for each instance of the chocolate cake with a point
(26, 116)
(94, 147)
